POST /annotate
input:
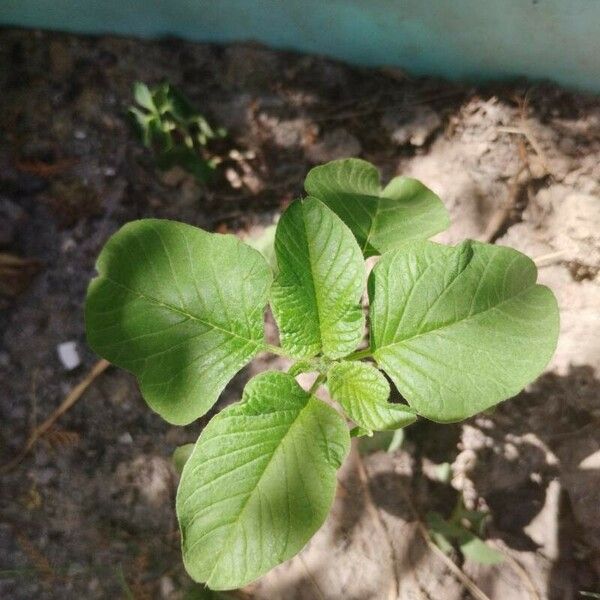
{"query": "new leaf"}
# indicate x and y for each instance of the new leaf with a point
(316, 295)
(459, 329)
(363, 393)
(380, 219)
(260, 482)
(180, 308)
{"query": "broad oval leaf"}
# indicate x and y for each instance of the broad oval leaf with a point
(316, 294)
(260, 482)
(459, 329)
(381, 219)
(180, 308)
(363, 393)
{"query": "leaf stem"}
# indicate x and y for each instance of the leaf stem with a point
(359, 354)
(275, 350)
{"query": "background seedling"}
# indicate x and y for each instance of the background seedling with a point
(179, 135)
(465, 529)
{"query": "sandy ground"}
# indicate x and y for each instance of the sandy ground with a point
(89, 513)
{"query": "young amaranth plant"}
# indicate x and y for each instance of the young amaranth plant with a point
(167, 123)
(457, 329)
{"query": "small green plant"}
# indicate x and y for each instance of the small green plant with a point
(464, 529)
(168, 124)
(457, 329)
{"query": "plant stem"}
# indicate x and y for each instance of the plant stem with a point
(359, 354)
(275, 350)
(315, 386)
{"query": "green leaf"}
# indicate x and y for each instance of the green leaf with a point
(186, 158)
(181, 455)
(180, 107)
(316, 295)
(385, 441)
(477, 550)
(443, 472)
(363, 393)
(310, 365)
(180, 308)
(459, 329)
(442, 532)
(260, 482)
(442, 542)
(381, 219)
(143, 96)
(140, 123)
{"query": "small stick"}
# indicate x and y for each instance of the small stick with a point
(501, 215)
(473, 588)
(311, 578)
(374, 511)
(65, 405)
(520, 571)
(548, 259)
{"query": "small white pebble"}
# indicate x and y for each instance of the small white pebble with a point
(80, 134)
(536, 478)
(511, 452)
(69, 356)
(68, 245)
(125, 438)
(167, 587)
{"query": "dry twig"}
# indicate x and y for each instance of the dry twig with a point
(36, 558)
(374, 512)
(65, 405)
(521, 572)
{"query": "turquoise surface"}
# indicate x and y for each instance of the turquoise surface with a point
(460, 39)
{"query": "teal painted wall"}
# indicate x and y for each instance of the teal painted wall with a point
(460, 39)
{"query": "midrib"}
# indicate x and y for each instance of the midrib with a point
(252, 493)
(176, 309)
(449, 325)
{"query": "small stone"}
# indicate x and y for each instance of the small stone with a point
(411, 125)
(125, 438)
(44, 476)
(293, 132)
(511, 453)
(289, 133)
(167, 587)
(174, 176)
(338, 143)
(68, 245)
(69, 355)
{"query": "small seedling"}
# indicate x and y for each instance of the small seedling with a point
(381, 441)
(464, 528)
(457, 329)
(168, 124)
